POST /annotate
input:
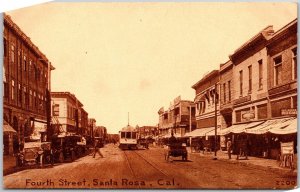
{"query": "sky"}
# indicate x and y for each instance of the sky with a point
(137, 57)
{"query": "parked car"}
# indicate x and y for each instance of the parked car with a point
(67, 147)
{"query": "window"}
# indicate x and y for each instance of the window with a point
(12, 90)
(262, 111)
(277, 70)
(224, 91)
(241, 83)
(20, 93)
(55, 110)
(24, 96)
(229, 91)
(12, 54)
(5, 95)
(238, 116)
(25, 63)
(123, 134)
(5, 47)
(250, 78)
(294, 63)
(30, 98)
(260, 75)
(294, 104)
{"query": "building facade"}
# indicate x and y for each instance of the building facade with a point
(147, 131)
(92, 126)
(250, 77)
(207, 100)
(68, 115)
(179, 118)
(282, 71)
(26, 83)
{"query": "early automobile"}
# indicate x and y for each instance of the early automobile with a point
(67, 147)
(176, 150)
(35, 152)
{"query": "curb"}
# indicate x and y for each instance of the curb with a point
(278, 170)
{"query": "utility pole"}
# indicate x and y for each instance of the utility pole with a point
(190, 124)
(215, 96)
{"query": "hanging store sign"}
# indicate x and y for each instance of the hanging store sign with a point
(287, 148)
(288, 112)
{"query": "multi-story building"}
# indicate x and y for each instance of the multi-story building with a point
(92, 126)
(282, 71)
(206, 100)
(26, 82)
(67, 114)
(84, 122)
(147, 131)
(100, 131)
(250, 61)
(179, 118)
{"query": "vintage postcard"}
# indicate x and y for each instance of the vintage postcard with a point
(150, 95)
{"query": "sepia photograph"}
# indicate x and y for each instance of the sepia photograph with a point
(150, 95)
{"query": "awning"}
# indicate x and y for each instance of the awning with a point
(169, 135)
(269, 125)
(199, 132)
(212, 133)
(239, 128)
(289, 129)
(7, 128)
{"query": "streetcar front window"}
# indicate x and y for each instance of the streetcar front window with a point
(122, 134)
(133, 135)
(128, 135)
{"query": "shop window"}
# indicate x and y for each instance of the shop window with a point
(294, 63)
(260, 74)
(277, 70)
(262, 111)
(277, 105)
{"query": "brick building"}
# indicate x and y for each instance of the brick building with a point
(26, 82)
(250, 61)
(282, 71)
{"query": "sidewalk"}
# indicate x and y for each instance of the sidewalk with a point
(262, 163)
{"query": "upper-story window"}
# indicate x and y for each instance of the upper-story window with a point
(25, 63)
(294, 63)
(250, 78)
(12, 89)
(224, 92)
(12, 55)
(5, 47)
(241, 83)
(260, 74)
(229, 91)
(277, 70)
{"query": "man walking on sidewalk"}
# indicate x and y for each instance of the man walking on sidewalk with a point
(229, 146)
(97, 149)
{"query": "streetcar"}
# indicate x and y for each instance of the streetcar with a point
(128, 138)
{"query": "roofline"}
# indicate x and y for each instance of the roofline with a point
(67, 94)
(205, 78)
(8, 21)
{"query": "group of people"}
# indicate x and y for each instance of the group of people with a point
(242, 148)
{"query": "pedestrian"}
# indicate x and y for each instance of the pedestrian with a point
(97, 149)
(229, 147)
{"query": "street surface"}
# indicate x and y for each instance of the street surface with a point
(148, 169)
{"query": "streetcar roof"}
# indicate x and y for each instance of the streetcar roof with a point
(128, 128)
